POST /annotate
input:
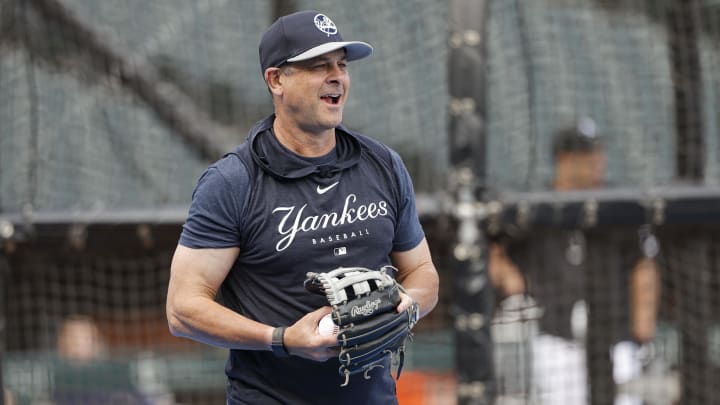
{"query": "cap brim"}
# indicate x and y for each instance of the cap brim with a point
(355, 50)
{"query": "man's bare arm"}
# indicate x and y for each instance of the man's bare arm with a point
(417, 274)
(192, 312)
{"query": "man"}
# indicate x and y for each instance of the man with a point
(85, 374)
(579, 164)
(558, 282)
(303, 193)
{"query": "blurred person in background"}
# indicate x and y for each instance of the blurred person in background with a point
(8, 397)
(79, 340)
(302, 194)
(84, 373)
(557, 283)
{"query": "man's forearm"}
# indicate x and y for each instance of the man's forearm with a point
(423, 286)
(206, 321)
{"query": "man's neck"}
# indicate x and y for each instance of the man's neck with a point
(304, 143)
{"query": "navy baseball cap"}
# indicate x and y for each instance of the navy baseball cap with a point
(305, 35)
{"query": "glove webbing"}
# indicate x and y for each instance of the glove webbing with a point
(360, 280)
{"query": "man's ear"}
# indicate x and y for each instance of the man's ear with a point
(272, 79)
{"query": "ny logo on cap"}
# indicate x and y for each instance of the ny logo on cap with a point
(325, 24)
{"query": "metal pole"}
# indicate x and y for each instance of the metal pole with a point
(4, 270)
(474, 302)
(474, 296)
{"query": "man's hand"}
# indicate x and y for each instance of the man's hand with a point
(302, 339)
(405, 302)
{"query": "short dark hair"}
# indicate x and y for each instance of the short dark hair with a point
(578, 138)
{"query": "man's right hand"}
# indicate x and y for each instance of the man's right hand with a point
(302, 340)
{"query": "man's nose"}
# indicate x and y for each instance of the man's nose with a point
(335, 73)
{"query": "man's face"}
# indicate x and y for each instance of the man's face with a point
(80, 340)
(313, 92)
(580, 170)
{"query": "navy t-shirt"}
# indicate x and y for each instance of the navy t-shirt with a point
(290, 215)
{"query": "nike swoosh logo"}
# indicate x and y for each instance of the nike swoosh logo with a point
(323, 190)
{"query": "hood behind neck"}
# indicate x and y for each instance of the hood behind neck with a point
(281, 163)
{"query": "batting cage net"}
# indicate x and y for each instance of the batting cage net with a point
(110, 113)
(592, 279)
(565, 155)
(119, 105)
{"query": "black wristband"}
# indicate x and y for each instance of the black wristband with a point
(278, 342)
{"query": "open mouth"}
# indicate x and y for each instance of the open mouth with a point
(331, 98)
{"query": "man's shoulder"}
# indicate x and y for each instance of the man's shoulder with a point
(371, 144)
(234, 165)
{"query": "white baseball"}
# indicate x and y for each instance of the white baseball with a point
(327, 327)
